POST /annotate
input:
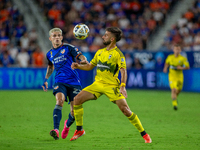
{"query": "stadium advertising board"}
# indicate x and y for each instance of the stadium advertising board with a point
(30, 78)
(153, 79)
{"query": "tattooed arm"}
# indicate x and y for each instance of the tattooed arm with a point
(50, 69)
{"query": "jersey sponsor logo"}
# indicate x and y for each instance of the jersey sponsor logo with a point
(172, 67)
(109, 56)
(102, 66)
(56, 87)
(62, 51)
(59, 59)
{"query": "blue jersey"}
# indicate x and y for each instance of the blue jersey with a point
(62, 58)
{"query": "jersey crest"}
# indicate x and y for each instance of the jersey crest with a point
(62, 51)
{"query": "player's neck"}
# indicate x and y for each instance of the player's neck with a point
(111, 46)
(56, 45)
(176, 55)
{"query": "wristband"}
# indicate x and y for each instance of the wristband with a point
(123, 84)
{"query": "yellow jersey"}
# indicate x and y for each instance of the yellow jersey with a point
(173, 62)
(108, 63)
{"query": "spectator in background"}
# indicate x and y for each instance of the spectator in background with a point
(158, 16)
(159, 57)
(187, 41)
(24, 41)
(5, 59)
(196, 46)
(129, 61)
(33, 35)
(4, 39)
(53, 14)
(182, 21)
(137, 64)
(23, 58)
(20, 30)
(154, 5)
(189, 15)
(38, 58)
(150, 64)
(13, 51)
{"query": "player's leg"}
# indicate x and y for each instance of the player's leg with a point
(174, 98)
(57, 114)
(71, 92)
(174, 87)
(176, 91)
(91, 92)
(133, 118)
(68, 122)
(82, 97)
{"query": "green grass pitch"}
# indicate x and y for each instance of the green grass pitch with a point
(26, 119)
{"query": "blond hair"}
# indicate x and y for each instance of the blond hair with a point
(55, 30)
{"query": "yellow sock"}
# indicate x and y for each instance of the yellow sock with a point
(136, 122)
(174, 102)
(78, 114)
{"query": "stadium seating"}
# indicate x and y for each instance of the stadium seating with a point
(186, 31)
(15, 38)
(137, 18)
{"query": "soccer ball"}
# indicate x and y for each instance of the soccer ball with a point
(81, 31)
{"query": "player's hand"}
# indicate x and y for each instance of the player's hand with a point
(123, 91)
(179, 68)
(74, 65)
(84, 62)
(45, 86)
(165, 70)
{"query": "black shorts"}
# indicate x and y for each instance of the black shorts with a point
(70, 91)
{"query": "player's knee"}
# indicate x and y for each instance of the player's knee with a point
(59, 102)
(77, 100)
(174, 90)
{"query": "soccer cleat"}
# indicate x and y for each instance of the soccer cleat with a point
(55, 134)
(175, 108)
(65, 131)
(147, 138)
(77, 134)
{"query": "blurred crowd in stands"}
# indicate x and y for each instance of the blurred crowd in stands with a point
(138, 19)
(18, 46)
(186, 31)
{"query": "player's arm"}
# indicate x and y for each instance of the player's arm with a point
(83, 59)
(123, 82)
(166, 66)
(50, 69)
(87, 66)
(185, 66)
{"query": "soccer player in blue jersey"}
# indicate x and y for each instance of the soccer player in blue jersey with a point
(67, 81)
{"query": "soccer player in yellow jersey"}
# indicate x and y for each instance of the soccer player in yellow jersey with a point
(109, 62)
(176, 64)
